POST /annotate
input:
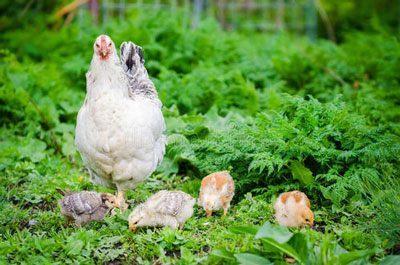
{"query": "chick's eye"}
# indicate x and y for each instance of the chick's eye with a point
(307, 220)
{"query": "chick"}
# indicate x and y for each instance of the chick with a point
(216, 192)
(166, 208)
(85, 206)
(292, 209)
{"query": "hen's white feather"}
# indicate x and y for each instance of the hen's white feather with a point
(120, 136)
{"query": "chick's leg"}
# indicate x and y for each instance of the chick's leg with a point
(66, 223)
(121, 201)
(225, 211)
(209, 213)
(226, 206)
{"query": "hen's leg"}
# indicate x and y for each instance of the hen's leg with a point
(121, 201)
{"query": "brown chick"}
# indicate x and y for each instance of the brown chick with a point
(166, 208)
(292, 209)
(216, 192)
(85, 206)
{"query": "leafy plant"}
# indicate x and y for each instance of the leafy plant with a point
(275, 242)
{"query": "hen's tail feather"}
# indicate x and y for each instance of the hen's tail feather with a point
(128, 50)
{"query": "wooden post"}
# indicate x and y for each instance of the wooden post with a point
(197, 10)
(104, 8)
(121, 10)
(311, 20)
(280, 15)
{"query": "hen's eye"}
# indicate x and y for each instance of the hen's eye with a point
(97, 45)
(109, 45)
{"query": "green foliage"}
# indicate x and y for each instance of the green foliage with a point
(305, 138)
(303, 246)
(384, 198)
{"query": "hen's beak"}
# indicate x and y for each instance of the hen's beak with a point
(103, 52)
(132, 227)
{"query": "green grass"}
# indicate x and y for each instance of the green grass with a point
(32, 225)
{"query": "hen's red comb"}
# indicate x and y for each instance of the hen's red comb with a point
(103, 41)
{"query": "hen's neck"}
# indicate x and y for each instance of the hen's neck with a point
(106, 75)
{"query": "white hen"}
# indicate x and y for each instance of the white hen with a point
(120, 126)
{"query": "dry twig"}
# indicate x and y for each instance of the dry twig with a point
(326, 69)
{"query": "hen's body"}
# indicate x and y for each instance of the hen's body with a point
(118, 133)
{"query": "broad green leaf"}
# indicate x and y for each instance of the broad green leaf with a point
(168, 166)
(75, 247)
(251, 259)
(68, 147)
(278, 233)
(187, 255)
(242, 229)
(391, 260)
(35, 150)
(299, 243)
(223, 253)
(300, 172)
(346, 258)
(285, 248)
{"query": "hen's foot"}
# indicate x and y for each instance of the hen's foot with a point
(121, 202)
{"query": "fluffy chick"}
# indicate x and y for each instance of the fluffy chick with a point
(216, 192)
(85, 206)
(292, 209)
(166, 208)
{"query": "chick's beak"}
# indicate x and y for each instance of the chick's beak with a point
(132, 227)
